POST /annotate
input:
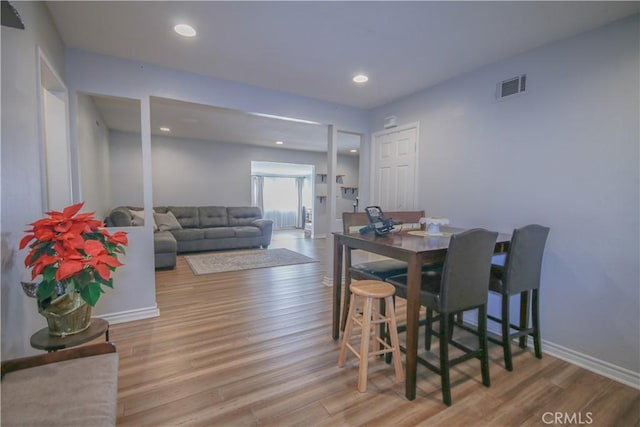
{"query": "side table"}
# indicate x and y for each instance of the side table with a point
(43, 341)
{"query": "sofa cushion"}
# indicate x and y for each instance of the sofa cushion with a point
(243, 215)
(187, 216)
(166, 221)
(79, 392)
(163, 241)
(188, 234)
(137, 219)
(247, 231)
(120, 217)
(218, 233)
(213, 216)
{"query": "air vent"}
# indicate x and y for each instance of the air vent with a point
(511, 86)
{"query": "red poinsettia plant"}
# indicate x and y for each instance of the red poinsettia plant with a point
(72, 252)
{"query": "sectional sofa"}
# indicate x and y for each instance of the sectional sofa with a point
(179, 229)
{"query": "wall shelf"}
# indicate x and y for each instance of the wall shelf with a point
(322, 177)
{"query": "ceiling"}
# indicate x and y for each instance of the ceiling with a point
(195, 121)
(313, 49)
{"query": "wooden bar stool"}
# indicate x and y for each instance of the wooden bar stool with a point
(368, 320)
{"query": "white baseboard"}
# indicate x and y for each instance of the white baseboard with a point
(130, 315)
(600, 367)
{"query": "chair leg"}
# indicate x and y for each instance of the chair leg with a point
(347, 301)
(535, 319)
(484, 348)
(524, 316)
(506, 333)
(347, 334)
(428, 331)
(395, 343)
(364, 345)
(444, 358)
(452, 323)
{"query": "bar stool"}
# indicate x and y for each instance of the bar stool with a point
(371, 317)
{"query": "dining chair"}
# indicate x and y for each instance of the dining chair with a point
(520, 275)
(461, 285)
(373, 270)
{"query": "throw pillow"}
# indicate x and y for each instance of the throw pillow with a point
(167, 221)
(137, 219)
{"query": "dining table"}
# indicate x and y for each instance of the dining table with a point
(414, 247)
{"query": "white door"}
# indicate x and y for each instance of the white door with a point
(394, 168)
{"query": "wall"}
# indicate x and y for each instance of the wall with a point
(565, 154)
(197, 172)
(125, 172)
(95, 185)
(21, 186)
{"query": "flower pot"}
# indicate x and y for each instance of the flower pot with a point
(68, 314)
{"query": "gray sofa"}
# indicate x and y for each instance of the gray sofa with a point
(179, 229)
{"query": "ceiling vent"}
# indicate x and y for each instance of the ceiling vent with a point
(512, 86)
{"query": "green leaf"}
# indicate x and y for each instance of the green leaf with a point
(46, 289)
(49, 273)
(91, 293)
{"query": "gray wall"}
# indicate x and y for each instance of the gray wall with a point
(196, 172)
(21, 185)
(125, 159)
(564, 155)
(95, 183)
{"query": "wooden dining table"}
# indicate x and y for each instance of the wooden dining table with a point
(413, 247)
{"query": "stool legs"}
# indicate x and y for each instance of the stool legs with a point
(370, 318)
(393, 334)
(364, 344)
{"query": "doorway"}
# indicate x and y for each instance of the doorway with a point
(284, 193)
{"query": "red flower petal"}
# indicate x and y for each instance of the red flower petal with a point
(68, 269)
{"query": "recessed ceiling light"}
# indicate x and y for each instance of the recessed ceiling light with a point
(360, 78)
(185, 30)
(279, 142)
(165, 129)
(353, 151)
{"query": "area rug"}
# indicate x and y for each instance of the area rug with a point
(218, 262)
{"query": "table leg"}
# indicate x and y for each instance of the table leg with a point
(413, 312)
(106, 335)
(337, 286)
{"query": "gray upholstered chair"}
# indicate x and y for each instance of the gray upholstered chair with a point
(462, 284)
(520, 275)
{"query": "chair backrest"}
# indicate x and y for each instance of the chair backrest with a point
(524, 259)
(353, 221)
(466, 271)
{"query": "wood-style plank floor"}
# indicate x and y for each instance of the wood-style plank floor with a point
(254, 348)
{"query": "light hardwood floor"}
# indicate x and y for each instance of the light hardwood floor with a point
(254, 348)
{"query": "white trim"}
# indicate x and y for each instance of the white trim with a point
(60, 86)
(597, 366)
(372, 162)
(601, 367)
(131, 315)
